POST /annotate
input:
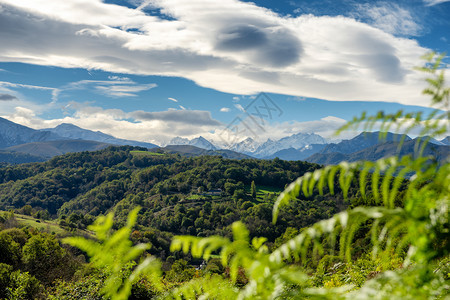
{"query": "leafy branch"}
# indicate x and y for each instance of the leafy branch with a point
(113, 251)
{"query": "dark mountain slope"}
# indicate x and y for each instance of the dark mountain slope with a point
(439, 152)
(298, 154)
(70, 131)
(191, 151)
(54, 148)
(10, 157)
(12, 134)
(361, 141)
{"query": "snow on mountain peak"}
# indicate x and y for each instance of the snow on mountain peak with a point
(200, 142)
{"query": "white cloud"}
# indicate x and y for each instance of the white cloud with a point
(155, 127)
(225, 109)
(115, 78)
(116, 87)
(239, 107)
(5, 84)
(296, 98)
(20, 100)
(229, 46)
(434, 2)
(172, 99)
(390, 18)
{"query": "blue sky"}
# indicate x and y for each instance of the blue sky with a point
(153, 70)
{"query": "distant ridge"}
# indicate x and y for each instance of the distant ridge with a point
(298, 154)
(10, 157)
(296, 141)
(70, 131)
(53, 148)
(362, 141)
(386, 149)
(188, 150)
(39, 145)
(199, 142)
(12, 134)
(257, 149)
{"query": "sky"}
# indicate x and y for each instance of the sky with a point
(151, 70)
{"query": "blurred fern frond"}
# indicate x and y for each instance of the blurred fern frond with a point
(113, 252)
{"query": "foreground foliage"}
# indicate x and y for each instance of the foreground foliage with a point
(415, 230)
(391, 243)
(113, 252)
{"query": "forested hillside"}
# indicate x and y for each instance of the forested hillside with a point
(199, 196)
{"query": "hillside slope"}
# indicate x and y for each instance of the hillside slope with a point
(54, 148)
(439, 152)
(70, 131)
(191, 151)
(12, 134)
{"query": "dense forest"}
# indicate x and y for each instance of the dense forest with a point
(199, 196)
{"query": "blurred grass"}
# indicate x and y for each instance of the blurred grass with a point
(140, 152)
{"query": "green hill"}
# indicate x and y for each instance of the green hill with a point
(53, 148)
(198, 195)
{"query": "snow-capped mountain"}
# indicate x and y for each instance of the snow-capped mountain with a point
(247, 146)
(199, 142)
(12, 134)
(178, 141)
(296, 141)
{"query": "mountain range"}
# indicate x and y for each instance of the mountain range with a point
(314, 148)
(199, 142)
(12, 134)
(49, 149)
(192, 151)
(257, 149)
(20, 144)
(380, 150)
(70, 131)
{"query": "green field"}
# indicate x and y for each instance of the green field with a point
(262, 190)
(195, 197)
(140, 152)
(44, 225)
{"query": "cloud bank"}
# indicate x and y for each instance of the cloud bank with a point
(154, 127)
(226, 45)
(7, 97)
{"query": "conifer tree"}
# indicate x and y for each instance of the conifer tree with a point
(253, 189)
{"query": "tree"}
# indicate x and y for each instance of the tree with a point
(9, 250)
(253, 189)
(114, 252)
(22, 285)
(43, 257)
